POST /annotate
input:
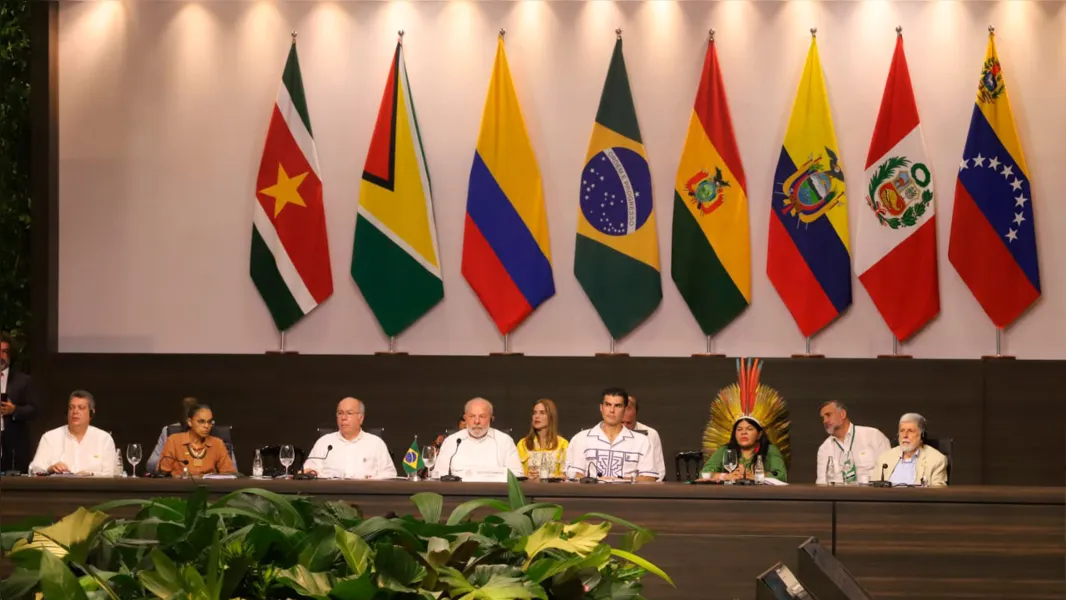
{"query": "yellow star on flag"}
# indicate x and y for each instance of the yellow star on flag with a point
(285, 191)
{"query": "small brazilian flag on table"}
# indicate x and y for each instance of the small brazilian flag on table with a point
(412, 461)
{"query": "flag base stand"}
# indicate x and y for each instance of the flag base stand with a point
(999, 346)
(895, 351)
(807, 351)
(506, 348)
(710, 353)
(281, 346)
(612, 352)
(392, 349)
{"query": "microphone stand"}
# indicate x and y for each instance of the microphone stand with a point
(589, 478)
(450, 476)
(883, 482)
(304, 474)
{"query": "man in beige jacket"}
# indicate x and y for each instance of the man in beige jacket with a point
(912, 462)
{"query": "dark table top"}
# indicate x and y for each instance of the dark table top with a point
(1055, 496)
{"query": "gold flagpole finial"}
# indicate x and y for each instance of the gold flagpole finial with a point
(814, 32)
(899, 31)
(503, 32)
(991, 30)
(399, 36)
(710, 34)
(618, 32)
(293, 34)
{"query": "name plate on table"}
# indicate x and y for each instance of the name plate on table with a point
(483, 474)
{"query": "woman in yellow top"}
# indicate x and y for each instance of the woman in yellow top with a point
(543, 442)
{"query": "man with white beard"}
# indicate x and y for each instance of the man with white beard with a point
(913, 462)
(854, 449)
(479, 446)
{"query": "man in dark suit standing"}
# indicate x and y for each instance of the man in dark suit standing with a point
(18, 405)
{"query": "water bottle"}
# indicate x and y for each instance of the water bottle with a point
(257, 465)
(120, 471)
(830, 472)
(760, 472)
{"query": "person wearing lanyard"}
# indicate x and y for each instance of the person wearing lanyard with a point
(853, 449)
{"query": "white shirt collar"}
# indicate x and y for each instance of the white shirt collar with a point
(598, 432)
(343, 440)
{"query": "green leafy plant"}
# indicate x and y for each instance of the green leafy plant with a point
(255, 544)
(15, 170)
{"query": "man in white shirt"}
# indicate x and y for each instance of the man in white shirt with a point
(863, 444)
(611, 450)
(630, 421)
(350, 452)
(77, 447)
(478, 447)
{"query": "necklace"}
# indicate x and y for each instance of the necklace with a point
(198, 453)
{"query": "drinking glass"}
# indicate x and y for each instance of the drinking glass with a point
(286, 455)
(546, 465)
(429, 458)
(730, 463)
(133, 454)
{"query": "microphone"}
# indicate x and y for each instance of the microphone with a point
(588, 478)
(449, 476)
(305, 474)
(159, 466)
(883, 482)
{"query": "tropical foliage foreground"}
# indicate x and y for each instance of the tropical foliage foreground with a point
(256, 544)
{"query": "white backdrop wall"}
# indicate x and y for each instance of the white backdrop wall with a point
(164, 108)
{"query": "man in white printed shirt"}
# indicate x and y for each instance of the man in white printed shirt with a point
(611, 450)
(478, 447)
(77, 447)
(350, 452)
(864, 444)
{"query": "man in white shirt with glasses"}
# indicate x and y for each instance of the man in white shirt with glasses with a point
(350, 452)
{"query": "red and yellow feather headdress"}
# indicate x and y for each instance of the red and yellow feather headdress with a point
(748, 399)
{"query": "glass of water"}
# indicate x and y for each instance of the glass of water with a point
(730, 463)
(546, 466)
(133, 454)
(287, 455)
(429, 458)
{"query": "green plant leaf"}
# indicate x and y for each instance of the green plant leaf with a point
(579, 538)
(613, 589)
(20, 584)
(396, 569)
(376, 526)
(463, 511)
(343, 512)
(503, 587)
(522, 525)
(318, 551)
(356, 552)
(643, 563)
(455, 580)
(634, 540)
(438, 551)
(514, 492)
(12, 532)
(165, 581)
(57, 581)
(101, 580)
(306, 583)
(549, 566)
(429, 505)
(286, 509)
(70, 537)
(354, 588)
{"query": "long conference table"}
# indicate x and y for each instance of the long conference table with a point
(955, 542)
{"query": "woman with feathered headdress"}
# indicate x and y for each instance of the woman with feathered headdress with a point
(752, 419)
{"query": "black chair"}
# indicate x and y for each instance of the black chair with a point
(272, 466)
(691, 461)
(943, 445)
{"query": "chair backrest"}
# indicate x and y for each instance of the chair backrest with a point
(691, 461)
(272, 466)
(943, 445)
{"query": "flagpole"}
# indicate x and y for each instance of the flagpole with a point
(281, 345)
(999, 348)
(807, 339)
(506, 347)
(392, 349)
(895, 344)
(611, 352)
(710, 353)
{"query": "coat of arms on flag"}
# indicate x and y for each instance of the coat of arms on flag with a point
(900, 192)
(705, 191)
(815, 188)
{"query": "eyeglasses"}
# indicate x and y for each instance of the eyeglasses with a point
(204, 421)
